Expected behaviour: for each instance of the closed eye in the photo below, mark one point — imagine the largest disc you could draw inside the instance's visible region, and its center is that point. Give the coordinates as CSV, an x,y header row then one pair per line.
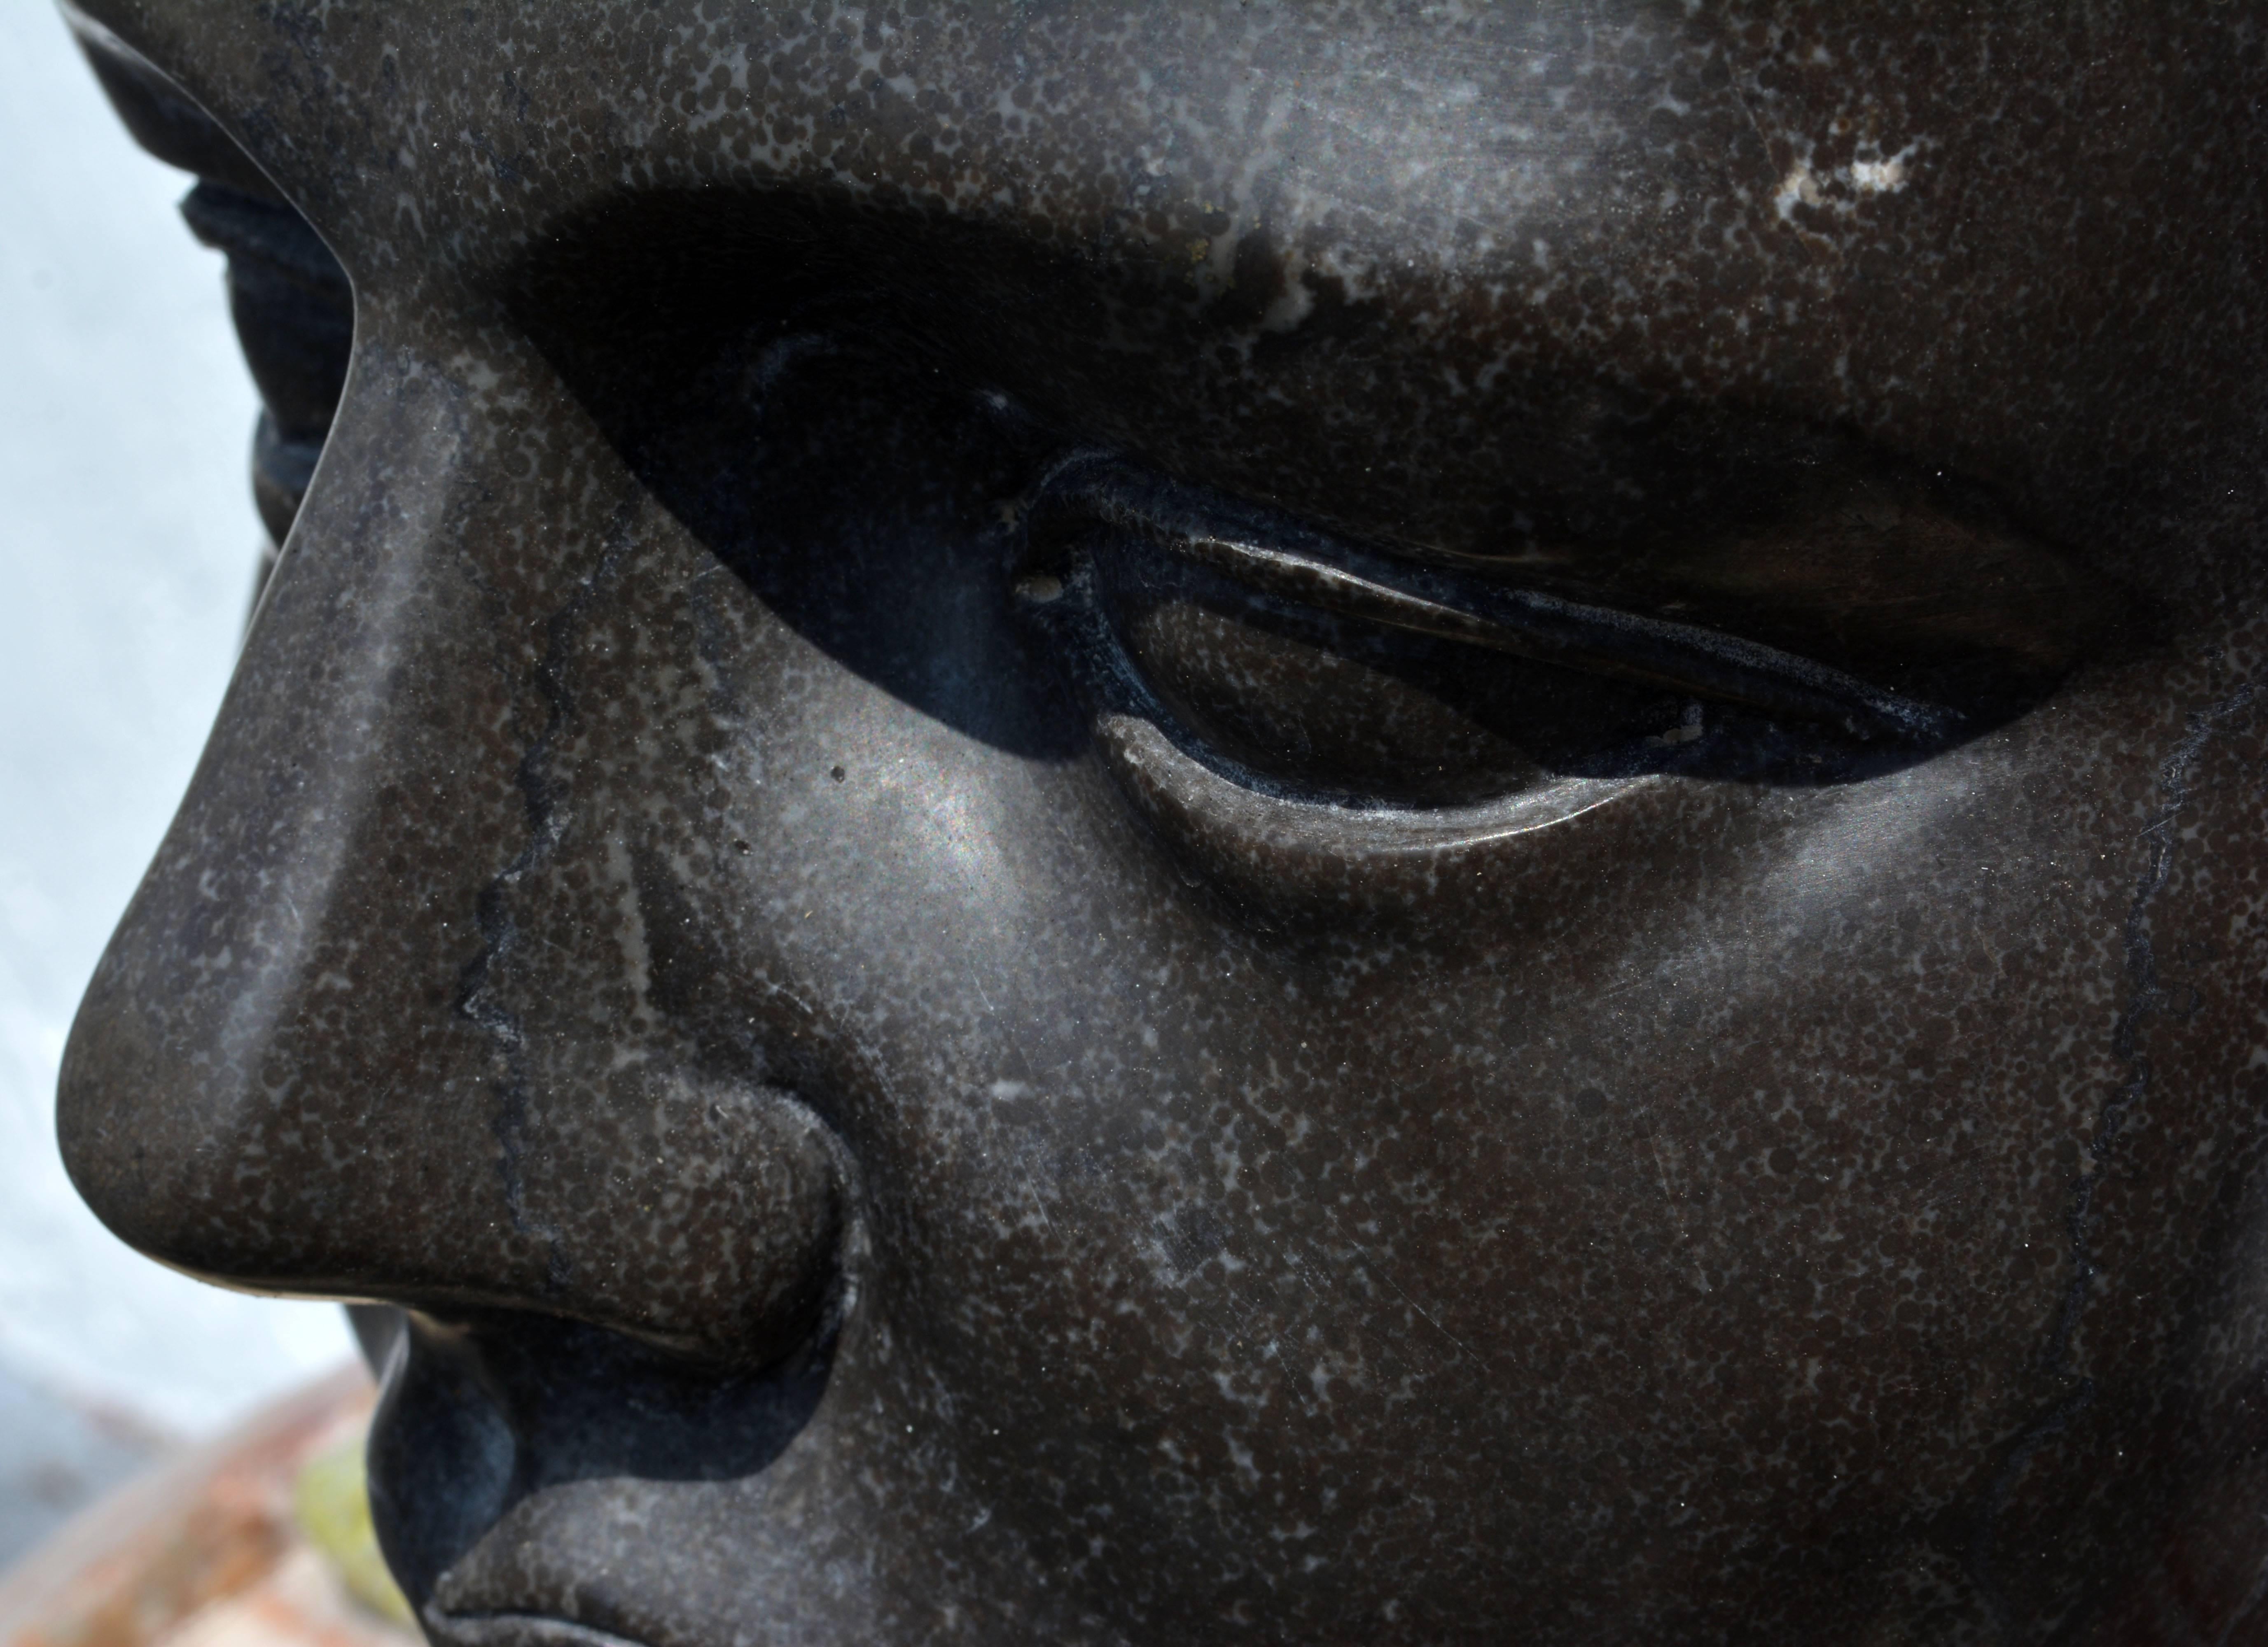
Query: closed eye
x,y
1304,667
1308,570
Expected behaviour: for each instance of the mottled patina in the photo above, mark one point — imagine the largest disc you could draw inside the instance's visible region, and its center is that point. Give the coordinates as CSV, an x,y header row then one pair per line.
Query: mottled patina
x,y
1240,822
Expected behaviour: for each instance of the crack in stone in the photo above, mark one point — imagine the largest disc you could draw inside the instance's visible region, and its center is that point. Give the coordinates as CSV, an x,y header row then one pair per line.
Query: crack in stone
x,y
500,932
2143,1000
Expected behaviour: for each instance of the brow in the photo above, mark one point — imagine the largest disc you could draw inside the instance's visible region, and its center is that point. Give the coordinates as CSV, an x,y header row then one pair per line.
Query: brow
x,y
1294,563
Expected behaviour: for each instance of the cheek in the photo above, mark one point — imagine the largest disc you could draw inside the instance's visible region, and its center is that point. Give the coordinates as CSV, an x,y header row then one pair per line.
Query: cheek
x,y
1742,1162
1731,1157
1714,1149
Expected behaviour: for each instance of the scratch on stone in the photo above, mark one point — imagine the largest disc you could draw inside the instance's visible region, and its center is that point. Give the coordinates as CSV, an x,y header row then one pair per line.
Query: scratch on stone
x,y
1676,1209
2245,1610
500,932
2143,999
1371,1266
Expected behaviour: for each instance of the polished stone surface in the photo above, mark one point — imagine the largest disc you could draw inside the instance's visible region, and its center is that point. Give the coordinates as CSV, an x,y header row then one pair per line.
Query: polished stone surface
x,y
1228,822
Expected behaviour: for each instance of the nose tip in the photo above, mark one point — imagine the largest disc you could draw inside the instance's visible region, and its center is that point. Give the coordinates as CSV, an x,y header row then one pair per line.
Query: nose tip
x,y
279,1077
702,1214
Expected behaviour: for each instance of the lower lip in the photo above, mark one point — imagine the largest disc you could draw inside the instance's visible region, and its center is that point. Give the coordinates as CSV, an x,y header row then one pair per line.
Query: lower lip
x,y
516,1629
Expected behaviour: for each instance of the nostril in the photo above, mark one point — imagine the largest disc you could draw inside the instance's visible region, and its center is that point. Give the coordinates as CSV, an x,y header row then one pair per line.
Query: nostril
x,y
705,1218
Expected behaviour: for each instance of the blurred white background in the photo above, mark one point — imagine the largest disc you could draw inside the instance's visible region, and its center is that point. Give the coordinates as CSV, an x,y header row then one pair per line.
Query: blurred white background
x,y
127,546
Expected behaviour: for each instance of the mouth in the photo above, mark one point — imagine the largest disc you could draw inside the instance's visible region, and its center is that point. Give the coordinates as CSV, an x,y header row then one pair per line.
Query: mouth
x,y
516,1630
512,1452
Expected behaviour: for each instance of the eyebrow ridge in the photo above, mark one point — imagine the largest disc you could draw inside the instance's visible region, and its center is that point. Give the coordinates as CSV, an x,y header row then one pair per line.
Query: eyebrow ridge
x,y
1298,565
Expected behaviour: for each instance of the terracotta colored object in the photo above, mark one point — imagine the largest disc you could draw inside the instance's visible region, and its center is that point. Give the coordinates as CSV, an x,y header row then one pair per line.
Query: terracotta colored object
x,y
203,1550
1129,823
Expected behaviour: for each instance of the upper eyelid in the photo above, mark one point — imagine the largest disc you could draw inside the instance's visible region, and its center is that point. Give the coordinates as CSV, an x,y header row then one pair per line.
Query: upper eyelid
x,y
1304,567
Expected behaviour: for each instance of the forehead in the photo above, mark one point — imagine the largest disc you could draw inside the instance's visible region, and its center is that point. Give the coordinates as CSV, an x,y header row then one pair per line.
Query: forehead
x,y
1391,251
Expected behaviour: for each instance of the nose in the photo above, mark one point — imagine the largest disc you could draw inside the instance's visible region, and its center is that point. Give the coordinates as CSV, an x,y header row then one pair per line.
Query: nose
x,y
400,1012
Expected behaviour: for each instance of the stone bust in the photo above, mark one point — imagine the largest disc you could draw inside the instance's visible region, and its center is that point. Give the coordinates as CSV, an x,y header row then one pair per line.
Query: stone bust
x,y
1234,822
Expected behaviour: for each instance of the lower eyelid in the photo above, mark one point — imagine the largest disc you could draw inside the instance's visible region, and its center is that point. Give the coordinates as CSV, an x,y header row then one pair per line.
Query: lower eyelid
x,y
1318,711
1280,851
1276,849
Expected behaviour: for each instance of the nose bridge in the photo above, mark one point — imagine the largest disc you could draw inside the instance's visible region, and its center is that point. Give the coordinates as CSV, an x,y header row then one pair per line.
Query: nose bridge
x,y
291,941
290,1070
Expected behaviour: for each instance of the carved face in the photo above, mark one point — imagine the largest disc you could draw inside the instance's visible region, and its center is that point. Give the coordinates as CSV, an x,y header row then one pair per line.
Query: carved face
x,y
1219,822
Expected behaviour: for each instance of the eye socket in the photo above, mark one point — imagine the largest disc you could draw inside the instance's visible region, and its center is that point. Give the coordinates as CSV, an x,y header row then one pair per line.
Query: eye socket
x,y
1309,671
294,312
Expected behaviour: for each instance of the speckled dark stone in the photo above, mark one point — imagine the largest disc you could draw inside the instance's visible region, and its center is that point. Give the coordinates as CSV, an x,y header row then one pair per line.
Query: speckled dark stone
x,y
1226,822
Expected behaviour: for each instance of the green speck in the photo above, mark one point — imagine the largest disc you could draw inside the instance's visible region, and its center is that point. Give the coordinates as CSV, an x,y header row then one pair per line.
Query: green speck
x,y
331,1501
